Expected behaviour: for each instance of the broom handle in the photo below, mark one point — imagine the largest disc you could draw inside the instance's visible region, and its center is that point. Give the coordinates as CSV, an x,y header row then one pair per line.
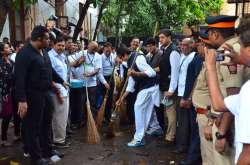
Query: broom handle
x,y
126,81
86,85
109,82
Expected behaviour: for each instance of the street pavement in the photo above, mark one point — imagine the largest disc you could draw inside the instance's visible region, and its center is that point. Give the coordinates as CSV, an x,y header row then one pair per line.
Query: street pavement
x,y
111,151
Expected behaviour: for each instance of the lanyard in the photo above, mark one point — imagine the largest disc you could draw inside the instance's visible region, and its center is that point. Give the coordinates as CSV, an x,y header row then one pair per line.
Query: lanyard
x,y
91,60
109,60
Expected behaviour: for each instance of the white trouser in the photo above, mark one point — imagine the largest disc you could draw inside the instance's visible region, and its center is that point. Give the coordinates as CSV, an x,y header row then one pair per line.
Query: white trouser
x,y
144,105
59,119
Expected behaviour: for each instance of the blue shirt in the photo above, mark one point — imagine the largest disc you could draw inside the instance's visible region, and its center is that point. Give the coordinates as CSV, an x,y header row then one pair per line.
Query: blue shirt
x,y
108,63
58,62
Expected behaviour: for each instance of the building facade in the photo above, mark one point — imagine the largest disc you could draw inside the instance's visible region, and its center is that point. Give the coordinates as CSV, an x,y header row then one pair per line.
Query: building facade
x,y
18,24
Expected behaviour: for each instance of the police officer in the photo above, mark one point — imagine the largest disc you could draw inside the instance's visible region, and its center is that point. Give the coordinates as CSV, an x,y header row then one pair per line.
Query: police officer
x,y
200,100
220,31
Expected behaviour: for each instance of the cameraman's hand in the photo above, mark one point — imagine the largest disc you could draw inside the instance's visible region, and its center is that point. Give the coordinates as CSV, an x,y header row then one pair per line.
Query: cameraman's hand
x,y
232,54
210,58
22,109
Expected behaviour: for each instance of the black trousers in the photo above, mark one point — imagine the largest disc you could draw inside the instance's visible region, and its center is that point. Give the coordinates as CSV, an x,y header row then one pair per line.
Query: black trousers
x,y
182,127
130,107
76,105
102,91
5,126
92,99
37,125
16,117
160,113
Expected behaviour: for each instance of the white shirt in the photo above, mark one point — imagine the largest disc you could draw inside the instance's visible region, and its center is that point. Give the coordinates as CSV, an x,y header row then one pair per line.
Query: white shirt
x,y
13,57
75,56
122,69
175,67
59,65
92,63
239,105
185,61
143,66
108,63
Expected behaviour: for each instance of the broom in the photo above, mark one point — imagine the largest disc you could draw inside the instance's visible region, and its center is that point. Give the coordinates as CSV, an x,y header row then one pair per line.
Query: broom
x,y
93,136
101,111
114,116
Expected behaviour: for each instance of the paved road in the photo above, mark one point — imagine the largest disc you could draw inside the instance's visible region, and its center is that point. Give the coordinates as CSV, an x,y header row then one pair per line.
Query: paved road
x,y
109,152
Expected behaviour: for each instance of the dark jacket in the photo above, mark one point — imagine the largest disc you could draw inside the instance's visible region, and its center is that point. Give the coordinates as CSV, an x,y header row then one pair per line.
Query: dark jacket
x,y
165,67
33,72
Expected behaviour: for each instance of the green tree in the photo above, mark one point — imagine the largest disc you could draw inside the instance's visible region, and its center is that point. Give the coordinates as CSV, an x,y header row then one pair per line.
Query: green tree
x,y
145,17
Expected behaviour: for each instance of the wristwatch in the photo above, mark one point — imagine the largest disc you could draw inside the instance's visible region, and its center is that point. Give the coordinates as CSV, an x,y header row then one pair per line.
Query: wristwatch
x,y
219,136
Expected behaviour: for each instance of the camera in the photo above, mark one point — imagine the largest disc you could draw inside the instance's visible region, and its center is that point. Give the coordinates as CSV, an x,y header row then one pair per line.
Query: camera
x,y
220,55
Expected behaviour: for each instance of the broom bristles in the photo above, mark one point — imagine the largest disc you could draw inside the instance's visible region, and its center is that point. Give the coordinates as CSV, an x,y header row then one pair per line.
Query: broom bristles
x,y
93,136
111,129
100,114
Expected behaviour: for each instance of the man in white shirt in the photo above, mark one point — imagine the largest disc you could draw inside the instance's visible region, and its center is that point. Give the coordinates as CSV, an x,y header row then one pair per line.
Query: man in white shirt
x,y
76,91
17,46
237,104
61,99
169,73
87,70
183,120
106,78
142,79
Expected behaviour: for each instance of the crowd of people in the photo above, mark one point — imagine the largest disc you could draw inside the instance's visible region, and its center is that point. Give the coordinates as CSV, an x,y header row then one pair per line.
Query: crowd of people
x,y
43,84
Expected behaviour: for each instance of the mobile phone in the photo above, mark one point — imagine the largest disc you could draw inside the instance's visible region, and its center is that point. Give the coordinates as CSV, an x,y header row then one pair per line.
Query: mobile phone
x,y
220,55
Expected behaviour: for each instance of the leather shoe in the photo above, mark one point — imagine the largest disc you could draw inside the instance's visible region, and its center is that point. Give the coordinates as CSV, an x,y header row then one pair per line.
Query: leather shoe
x,y
190,162
70,132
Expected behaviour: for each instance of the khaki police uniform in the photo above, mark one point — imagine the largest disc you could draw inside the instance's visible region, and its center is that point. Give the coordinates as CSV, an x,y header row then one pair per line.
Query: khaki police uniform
x,y
201,101
228,84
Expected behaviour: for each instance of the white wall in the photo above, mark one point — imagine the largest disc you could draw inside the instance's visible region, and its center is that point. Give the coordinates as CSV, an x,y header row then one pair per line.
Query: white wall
x,y
72,10
228,9
6,30
43,12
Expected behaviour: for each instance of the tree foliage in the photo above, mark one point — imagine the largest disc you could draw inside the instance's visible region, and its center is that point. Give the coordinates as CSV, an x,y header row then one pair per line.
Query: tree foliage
x,y
144,17
17,3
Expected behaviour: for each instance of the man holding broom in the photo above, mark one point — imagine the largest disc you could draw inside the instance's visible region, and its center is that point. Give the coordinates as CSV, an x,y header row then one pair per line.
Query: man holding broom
x,y
87,70
142,79
106,78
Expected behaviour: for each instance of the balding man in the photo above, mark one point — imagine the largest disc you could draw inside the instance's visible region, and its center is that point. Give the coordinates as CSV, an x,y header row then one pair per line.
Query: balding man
x,y
87,69
182,129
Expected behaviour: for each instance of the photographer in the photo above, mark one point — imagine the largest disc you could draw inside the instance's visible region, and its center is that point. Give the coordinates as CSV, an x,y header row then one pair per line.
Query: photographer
x,y
237,104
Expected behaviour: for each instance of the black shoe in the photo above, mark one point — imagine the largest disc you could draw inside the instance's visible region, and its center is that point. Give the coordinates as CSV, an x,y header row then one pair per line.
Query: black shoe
x,y
168,142
180,151
61,145
70,132
73,127
190,162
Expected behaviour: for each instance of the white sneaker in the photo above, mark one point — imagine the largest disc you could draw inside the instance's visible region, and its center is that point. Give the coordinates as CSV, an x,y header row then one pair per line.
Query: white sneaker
x,y
26,155
135,143
55,158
